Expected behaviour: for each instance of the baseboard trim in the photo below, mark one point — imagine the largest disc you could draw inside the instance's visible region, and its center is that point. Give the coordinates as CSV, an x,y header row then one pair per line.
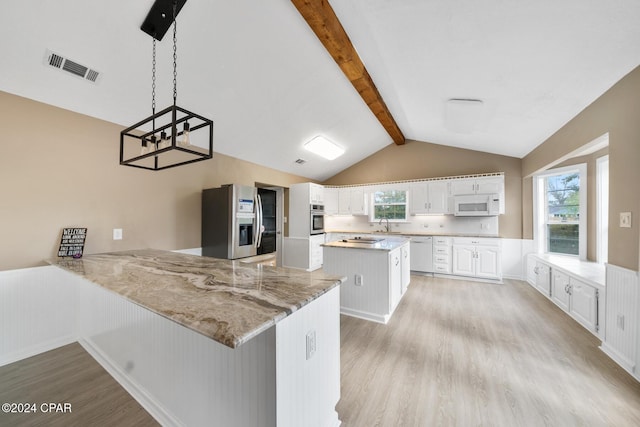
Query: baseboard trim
x,y
625,363
365,315
152,406
37,349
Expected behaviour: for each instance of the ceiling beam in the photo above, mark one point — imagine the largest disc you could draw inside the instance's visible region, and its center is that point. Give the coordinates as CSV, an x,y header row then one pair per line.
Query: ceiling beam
x,y
323,21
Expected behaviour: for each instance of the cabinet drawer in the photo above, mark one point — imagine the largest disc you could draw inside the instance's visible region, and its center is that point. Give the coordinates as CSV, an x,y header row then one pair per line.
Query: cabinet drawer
x,y
442,241
442,268
476,241
442,250
441,259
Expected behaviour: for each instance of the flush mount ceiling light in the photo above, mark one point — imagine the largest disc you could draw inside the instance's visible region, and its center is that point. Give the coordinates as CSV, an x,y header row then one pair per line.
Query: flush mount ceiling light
x,y
325,148
173,136
464,115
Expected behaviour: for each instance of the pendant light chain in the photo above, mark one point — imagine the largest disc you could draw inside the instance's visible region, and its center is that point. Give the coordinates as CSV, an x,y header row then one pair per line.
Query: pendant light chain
x,y
153,78
175,55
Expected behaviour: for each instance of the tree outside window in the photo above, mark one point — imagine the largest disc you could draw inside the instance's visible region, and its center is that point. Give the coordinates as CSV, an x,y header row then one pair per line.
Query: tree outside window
x,y
390,204
563,213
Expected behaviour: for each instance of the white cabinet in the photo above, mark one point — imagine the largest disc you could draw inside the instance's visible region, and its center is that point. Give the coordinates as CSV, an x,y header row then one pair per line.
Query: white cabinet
x,y
482,185
442,254
560,289
395,278
358,202
330,201
479,258
301,196
543,278
352,201
429,198
316,194
406,266
303,252
583,304
559,280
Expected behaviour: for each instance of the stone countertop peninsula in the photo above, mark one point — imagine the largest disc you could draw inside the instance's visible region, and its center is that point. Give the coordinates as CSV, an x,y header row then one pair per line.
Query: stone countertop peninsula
x,y
385,243
227,301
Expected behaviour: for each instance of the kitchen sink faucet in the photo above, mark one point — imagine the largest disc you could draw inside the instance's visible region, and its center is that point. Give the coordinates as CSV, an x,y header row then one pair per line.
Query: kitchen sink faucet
x,y
386,227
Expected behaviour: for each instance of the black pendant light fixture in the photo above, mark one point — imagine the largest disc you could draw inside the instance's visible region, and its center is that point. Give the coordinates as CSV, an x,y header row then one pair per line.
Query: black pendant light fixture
x,y
173,136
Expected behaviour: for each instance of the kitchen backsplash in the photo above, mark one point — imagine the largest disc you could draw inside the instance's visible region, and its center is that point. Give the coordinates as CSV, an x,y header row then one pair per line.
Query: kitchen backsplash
x,y
436,224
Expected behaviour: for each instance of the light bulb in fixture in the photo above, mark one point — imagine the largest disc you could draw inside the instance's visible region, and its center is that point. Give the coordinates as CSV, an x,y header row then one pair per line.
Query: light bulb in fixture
x,y
164,141
185,140
145,148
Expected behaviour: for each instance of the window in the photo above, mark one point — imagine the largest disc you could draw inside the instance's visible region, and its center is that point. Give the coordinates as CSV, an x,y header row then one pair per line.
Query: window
x,y
390,204
561,208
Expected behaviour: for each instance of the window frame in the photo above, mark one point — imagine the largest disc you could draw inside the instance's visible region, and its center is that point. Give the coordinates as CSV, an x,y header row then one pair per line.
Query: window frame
x,y
540,216
373,204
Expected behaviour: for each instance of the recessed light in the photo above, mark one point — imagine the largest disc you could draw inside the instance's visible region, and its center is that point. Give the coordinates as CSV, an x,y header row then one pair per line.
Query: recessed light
x,y
323,147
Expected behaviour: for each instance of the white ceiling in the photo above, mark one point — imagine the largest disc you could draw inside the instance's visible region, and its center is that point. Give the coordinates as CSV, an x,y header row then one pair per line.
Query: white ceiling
x,y
259,72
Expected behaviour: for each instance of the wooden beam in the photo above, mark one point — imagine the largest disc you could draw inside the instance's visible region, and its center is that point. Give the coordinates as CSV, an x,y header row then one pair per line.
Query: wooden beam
x,y
325,24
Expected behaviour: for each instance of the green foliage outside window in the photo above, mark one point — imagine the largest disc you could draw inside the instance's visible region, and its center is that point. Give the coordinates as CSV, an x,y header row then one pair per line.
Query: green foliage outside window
x,y
390,204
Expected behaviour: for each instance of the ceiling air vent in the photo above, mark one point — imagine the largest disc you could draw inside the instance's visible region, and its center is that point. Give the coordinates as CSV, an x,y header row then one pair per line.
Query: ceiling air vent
x,y
60,62
301,161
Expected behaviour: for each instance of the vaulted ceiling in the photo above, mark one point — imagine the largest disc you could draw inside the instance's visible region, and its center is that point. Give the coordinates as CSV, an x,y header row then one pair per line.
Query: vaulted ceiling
x,y
258,70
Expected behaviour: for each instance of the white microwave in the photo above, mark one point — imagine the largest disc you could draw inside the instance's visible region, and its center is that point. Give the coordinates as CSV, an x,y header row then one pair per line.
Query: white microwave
x,y
477,205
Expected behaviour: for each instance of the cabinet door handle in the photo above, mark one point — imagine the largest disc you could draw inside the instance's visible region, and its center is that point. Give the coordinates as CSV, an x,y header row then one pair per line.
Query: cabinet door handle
x,y
397,260
569,289
535,270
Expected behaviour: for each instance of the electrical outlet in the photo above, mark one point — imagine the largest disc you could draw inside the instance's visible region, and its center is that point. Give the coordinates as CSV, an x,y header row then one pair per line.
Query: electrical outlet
x,y
358,280
425,225
625,219
311,344
117,234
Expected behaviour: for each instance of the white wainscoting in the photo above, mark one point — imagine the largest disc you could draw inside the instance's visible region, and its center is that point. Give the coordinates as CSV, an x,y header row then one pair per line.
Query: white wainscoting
x,y
622,334
514,253
37,312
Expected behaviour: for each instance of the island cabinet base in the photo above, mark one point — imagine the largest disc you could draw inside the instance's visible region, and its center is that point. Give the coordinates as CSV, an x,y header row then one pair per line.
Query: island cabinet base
x,y
184,378
375,280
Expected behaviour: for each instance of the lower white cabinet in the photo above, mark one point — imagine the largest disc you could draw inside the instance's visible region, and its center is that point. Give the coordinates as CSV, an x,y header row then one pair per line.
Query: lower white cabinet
x,y
581,300
560,289
302,252
442,254
479,258
543,278
583,304
406,267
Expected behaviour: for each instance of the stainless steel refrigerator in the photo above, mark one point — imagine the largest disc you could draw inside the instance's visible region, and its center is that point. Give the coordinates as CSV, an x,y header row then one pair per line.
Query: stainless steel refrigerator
x,y
231,221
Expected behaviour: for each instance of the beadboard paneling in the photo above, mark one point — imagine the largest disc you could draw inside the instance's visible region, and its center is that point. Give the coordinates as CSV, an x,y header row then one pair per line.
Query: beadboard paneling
x,y
178,375
309,389
621,317
37,312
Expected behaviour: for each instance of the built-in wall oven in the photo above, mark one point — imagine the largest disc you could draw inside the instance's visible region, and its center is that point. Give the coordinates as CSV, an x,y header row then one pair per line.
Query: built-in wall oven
x,y
317,219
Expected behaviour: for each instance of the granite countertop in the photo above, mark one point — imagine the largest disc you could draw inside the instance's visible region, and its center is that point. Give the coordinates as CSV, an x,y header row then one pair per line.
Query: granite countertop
x,y
228,301
414,233
384,244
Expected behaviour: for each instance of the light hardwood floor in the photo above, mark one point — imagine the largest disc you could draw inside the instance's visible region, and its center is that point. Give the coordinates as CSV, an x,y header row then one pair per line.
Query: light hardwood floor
x,y
459,353
455,353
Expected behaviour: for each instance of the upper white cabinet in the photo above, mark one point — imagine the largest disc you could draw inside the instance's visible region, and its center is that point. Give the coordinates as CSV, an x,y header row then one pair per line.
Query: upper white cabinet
x,y
351,201
316,194
481,185
429,198
330,201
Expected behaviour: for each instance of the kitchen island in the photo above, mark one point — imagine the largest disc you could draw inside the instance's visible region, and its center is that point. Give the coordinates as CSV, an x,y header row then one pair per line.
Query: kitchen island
x,y
377,271
204,341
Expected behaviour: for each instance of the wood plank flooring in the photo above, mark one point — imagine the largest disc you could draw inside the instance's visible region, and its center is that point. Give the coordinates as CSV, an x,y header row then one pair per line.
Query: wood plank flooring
x,y
455,353
458,353
68,375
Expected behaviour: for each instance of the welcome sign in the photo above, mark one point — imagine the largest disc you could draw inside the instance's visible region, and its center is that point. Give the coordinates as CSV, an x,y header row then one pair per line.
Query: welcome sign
x,y
72,242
